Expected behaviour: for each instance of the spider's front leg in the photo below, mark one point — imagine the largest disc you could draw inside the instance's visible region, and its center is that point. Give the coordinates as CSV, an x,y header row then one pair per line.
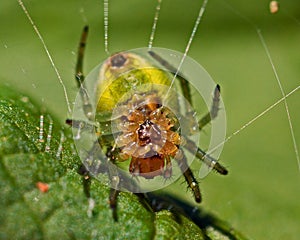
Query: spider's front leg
x,y
87,106
205,158
213,110
114,192
191,146
80,125
99,164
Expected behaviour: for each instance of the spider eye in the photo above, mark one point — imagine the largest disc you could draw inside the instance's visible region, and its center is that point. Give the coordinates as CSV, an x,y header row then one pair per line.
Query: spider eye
x,y
118,60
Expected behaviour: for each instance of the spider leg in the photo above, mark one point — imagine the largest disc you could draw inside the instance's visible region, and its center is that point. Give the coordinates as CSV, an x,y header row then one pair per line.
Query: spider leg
x,y
87,106
86,180
96,165
188,175
213,110
113,198
99,164
185,86
205,158
118,181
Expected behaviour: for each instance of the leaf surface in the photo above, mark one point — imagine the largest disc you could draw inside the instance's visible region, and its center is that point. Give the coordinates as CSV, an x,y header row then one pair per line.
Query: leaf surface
x,y
29,156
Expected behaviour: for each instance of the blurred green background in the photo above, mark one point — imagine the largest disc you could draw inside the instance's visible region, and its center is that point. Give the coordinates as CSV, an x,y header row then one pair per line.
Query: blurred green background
x,y
260,197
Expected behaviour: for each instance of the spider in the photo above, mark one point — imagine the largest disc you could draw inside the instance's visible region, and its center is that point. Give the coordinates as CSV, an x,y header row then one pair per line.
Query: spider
x,y
135,124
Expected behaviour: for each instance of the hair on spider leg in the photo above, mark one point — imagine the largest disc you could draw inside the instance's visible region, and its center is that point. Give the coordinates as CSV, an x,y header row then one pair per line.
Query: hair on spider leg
x,y
187,187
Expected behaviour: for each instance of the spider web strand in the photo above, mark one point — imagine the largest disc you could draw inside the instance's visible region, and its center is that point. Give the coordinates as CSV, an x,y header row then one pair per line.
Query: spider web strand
x,y
282,93
258,31
156,16
254,119
47,52
198,20
106,26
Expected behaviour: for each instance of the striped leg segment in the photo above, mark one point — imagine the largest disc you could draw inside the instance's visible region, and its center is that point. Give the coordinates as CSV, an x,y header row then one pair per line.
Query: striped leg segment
x,y
87,106
188,175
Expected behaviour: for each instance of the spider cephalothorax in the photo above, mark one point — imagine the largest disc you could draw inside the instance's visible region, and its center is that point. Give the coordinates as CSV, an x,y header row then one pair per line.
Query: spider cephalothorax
x,y
148,137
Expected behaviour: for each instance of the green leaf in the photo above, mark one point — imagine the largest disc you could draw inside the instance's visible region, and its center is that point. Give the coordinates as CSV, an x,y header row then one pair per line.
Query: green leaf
x,y
29,156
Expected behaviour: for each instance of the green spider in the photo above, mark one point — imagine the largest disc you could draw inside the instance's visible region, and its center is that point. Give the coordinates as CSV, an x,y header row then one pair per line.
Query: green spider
x,y
139,119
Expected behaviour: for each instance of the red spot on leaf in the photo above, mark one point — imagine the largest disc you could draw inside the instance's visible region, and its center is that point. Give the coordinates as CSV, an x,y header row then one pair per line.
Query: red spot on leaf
x,y
43,187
